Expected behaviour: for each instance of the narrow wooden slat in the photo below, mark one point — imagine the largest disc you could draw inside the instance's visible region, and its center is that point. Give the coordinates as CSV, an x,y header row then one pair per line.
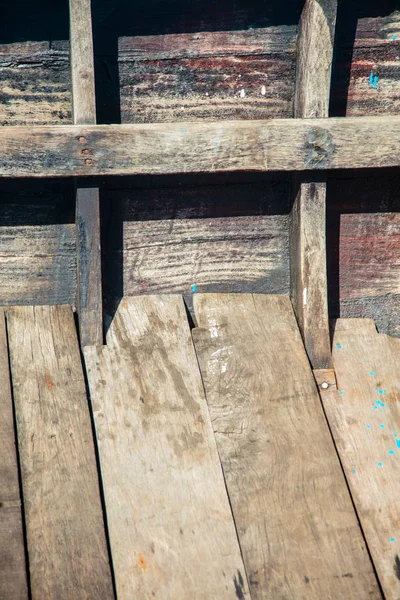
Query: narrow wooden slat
x,y
65,532
299,535
90,306
274,145
309,290
364,415
13,580
171,529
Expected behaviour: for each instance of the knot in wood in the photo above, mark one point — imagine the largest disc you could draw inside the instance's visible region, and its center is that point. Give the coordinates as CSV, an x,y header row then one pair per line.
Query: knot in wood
x,y
319,148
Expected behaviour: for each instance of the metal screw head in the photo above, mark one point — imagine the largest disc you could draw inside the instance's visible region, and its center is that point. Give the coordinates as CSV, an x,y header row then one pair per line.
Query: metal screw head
x,y
324,385
88,161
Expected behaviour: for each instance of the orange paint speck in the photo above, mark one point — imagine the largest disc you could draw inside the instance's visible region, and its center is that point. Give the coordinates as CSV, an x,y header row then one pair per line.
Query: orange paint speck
x,y
142,562
48,381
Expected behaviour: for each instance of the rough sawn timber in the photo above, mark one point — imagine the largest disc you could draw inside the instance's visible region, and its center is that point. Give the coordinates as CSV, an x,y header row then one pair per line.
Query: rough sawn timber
x,y
90,306
309,290
364,416
271,145
13,580
171,529
299,535
66,541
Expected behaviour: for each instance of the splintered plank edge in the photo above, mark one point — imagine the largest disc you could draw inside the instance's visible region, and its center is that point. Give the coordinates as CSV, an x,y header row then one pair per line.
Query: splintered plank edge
x,y
299,534
67,549
171,529
364,415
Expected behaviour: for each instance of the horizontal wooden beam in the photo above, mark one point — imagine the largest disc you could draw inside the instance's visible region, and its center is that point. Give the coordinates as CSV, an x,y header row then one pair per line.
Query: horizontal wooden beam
x,y
274,145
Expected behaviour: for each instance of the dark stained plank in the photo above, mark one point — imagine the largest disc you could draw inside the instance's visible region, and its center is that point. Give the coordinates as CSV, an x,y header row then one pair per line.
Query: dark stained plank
x,y
90,307
65,532
364,417
308,225
208,75
38,264
271,145
171,529
13,580
35,83
279,461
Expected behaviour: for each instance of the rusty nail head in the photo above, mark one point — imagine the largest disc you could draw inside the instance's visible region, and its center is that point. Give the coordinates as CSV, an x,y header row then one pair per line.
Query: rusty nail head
x,y
86,151
88,161
82,139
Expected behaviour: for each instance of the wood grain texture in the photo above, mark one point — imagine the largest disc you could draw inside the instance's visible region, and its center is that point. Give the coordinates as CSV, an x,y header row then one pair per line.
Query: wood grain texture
x,y
364,417
35,83
82,63
171,529
65,531
309,289
88,245
13,580
270,145
38,264
90,301
369,41
278,458
208,75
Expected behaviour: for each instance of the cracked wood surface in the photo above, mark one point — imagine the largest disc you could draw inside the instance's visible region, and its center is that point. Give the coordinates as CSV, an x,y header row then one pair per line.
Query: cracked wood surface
x,y
299,535
171,529
66,542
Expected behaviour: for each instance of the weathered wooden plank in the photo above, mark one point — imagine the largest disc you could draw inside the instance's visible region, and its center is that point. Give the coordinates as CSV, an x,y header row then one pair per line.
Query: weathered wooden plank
x,y
278,458
171,529
13,580
271,145
65,533
364,417
208,75
35,83
308,244
90,306
38,264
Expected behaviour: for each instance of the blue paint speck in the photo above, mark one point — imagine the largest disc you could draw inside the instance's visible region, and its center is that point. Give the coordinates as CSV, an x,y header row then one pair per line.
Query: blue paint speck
x,y
382,426
392,540
395,435
368,426
183,130
372,373
353,470
380,464
394,36
375,408
194,288
380,391
371,78
338,346
341,392
391,452
376,79
398,443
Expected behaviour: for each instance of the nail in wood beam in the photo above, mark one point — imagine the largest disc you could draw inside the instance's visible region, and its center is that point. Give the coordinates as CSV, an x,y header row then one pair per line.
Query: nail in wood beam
x,y
308,219
90,308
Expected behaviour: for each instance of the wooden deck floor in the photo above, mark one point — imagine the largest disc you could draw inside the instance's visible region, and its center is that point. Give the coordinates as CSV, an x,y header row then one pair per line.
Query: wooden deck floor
x,y
204,465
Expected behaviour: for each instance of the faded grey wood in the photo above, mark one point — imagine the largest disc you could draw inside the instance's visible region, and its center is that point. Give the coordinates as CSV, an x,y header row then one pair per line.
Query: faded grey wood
x,y
66,541
270,145
299,534
309,289
90,308
171,529
364,416
13,580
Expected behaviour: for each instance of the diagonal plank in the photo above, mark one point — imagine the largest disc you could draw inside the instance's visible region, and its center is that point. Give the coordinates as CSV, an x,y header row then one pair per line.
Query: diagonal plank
x,y
171,529
299,535
65,530
364,415
13,584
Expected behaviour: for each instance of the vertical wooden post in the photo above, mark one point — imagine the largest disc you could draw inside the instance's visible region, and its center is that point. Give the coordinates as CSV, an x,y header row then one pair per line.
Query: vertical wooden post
x,y
308,237
90,308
